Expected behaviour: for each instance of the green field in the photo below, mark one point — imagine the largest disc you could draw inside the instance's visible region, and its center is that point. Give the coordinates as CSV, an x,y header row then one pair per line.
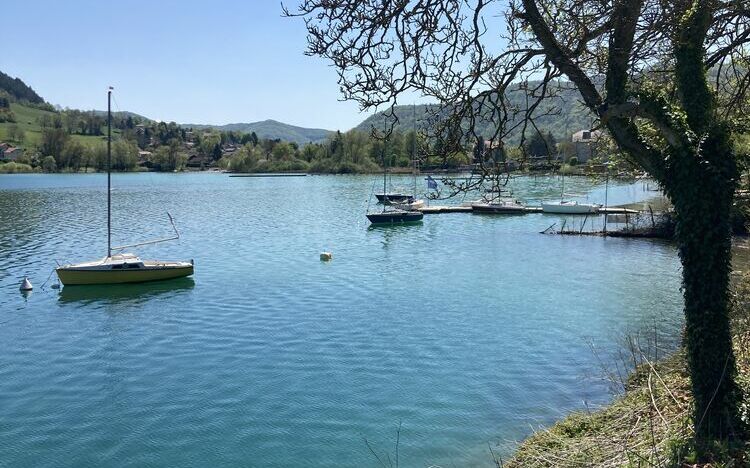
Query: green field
x,y
27,118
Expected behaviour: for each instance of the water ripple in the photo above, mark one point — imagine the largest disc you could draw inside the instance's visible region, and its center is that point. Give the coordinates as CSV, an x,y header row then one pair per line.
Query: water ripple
x,y
467,329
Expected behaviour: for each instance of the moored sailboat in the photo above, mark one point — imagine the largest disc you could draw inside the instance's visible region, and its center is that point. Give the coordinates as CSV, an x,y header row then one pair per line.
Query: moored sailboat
x,y
122,267
569,207
393,214
499,206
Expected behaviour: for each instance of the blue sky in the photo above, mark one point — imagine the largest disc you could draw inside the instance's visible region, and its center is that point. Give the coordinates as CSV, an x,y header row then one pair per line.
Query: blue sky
x,y
188,61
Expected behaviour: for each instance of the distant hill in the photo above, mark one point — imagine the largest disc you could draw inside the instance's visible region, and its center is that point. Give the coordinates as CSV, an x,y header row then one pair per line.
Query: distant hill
x,y
19,90
272,129
124,114
573,116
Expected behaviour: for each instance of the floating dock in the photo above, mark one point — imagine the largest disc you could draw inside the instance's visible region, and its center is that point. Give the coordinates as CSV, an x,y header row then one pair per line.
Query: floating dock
x,y
434,209
294,174
437,209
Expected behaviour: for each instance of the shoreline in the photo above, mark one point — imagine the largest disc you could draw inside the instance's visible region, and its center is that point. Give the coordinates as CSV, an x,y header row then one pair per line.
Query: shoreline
x,y
649,420
406,171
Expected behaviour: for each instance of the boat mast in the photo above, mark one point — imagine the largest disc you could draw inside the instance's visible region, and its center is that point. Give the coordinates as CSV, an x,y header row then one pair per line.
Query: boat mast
x,y
385,171
414,149
109,172
562,192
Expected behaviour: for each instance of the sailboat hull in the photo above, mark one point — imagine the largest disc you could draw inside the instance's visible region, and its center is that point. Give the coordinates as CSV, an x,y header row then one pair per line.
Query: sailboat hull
x,y
498,208
69,277
566,207
122,268
397,217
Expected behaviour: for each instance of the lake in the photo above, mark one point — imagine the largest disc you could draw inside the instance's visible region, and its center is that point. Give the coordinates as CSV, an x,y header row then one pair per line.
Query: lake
x,y
467,330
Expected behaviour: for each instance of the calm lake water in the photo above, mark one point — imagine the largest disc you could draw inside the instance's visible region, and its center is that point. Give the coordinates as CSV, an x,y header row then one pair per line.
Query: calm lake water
x,y
468,330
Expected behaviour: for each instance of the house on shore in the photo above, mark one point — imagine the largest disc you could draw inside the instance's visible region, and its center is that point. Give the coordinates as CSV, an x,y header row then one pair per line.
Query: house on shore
x,y
198,162
585,144
9,153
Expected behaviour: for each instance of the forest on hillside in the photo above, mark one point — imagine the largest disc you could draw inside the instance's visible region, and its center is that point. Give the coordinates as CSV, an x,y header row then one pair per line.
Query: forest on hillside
x,y
561,115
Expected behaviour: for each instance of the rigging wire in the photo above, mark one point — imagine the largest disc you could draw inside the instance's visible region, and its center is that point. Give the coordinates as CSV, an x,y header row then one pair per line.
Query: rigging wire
x,y
152,183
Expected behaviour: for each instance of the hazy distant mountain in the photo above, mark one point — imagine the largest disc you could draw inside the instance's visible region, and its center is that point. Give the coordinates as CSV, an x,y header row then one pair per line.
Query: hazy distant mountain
x,y
572,116
272,129
125,114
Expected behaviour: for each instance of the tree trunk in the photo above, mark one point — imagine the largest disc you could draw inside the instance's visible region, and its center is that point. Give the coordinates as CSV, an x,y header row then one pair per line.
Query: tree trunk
x,y
702,204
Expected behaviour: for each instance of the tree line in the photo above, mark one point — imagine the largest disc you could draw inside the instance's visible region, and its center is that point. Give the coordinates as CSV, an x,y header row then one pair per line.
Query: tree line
x,y
349,152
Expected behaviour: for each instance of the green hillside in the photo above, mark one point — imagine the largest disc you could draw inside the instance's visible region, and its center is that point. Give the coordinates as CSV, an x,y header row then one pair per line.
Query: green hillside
x,y
28,119
571,117
272,130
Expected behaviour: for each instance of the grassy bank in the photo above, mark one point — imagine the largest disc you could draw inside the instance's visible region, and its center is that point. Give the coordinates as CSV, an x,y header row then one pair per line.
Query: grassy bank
x,y
649,424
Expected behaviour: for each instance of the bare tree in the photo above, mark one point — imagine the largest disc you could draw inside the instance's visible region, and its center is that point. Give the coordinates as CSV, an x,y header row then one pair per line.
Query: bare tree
x,y
668,79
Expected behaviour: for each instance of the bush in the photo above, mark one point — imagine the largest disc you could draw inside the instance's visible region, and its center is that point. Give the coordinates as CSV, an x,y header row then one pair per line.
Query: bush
x,y
294,165
573,161
321,166
347,167
15,168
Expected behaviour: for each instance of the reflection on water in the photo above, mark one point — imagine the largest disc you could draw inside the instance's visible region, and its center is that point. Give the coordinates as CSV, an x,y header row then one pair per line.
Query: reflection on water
x,y
126,294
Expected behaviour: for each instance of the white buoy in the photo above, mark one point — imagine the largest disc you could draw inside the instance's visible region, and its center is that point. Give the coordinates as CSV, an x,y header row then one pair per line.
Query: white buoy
x,y
26,285
326,256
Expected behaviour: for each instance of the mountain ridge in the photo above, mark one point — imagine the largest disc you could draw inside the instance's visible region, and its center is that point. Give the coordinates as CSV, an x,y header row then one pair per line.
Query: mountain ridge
x,y
271,129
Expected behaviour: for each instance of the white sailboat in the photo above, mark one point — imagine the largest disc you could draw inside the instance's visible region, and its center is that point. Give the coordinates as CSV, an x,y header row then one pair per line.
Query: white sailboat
x,y
569,207
121,267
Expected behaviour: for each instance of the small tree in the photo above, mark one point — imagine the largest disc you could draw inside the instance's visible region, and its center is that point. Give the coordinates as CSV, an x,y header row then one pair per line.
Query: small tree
x,y
54,140
16,134
169,157
49,164
71,155
541,145
124,155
